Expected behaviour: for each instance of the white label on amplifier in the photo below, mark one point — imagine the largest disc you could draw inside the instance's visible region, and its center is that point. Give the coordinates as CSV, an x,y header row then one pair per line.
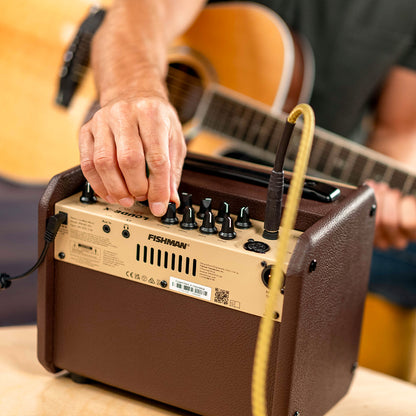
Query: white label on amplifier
x,y
190,288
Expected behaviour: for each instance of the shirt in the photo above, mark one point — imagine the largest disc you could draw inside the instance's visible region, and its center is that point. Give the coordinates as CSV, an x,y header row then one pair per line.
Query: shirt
x,y
355,43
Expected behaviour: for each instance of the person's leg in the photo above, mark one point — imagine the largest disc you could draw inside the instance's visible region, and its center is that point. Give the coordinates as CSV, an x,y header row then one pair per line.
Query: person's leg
x,y
18,251
393,275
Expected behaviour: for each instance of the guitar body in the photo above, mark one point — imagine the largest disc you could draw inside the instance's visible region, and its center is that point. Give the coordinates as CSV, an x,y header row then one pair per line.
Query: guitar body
x,y
244,47
248,49
37,137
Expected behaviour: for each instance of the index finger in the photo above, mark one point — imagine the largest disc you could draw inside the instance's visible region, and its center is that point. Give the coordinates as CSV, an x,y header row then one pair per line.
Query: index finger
x,y
154,132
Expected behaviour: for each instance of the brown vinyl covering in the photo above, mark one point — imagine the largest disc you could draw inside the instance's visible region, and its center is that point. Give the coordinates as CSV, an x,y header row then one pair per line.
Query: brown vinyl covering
x,y
196,355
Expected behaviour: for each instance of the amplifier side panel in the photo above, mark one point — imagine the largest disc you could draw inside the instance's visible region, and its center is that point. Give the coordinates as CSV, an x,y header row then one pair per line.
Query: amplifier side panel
x,y
325,305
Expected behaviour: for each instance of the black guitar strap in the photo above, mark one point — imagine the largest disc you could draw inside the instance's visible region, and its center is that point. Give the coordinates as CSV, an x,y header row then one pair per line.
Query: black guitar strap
x,y
76,57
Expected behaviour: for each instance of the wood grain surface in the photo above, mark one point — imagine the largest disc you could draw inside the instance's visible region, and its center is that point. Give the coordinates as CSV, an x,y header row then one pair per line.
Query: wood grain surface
x,y
29,390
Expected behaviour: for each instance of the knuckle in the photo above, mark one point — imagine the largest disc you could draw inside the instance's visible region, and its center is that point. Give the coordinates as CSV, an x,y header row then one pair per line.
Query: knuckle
x,y
103,161
87,165
149,105
158,160
98,117
154,109
120,110
129,159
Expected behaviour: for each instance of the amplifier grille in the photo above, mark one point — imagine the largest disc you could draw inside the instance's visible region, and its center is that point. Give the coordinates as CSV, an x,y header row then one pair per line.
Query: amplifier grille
x,y
165,259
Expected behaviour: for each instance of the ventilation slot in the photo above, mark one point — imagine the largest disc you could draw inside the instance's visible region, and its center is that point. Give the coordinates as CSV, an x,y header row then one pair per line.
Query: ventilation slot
x,y
165,259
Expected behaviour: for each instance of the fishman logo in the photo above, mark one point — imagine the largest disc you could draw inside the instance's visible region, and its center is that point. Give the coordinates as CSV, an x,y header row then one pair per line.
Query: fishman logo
x,y
168,241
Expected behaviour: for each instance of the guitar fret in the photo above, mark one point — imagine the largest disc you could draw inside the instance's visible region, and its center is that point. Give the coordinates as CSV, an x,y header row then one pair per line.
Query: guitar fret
x,y
210,118
412,190
331,159
316,152
398,179
408,185
323,159
234,121
339,162
378,172
233,118
274,137
388,174
349,163
246,118
265,133
356,171
225,114
365,173
254,128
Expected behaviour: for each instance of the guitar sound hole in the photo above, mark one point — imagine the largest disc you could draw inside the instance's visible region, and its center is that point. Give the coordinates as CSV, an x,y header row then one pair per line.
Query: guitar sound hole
x,y
185,89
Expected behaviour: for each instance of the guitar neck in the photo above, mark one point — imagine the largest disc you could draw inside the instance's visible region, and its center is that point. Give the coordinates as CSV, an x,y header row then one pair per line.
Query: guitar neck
x,y
334,157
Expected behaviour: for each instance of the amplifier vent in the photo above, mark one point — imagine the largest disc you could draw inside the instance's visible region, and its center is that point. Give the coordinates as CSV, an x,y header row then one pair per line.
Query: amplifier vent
x,y
162,258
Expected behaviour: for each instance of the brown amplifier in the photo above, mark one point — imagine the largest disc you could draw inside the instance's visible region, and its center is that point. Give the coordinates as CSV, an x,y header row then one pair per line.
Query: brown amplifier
x,y
172,312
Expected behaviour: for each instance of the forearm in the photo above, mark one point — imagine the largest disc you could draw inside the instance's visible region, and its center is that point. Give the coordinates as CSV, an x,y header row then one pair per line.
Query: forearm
x,y
397,143
129,52
394,132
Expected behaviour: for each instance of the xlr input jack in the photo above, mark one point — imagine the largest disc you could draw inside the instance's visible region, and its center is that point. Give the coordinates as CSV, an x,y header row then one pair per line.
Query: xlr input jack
x,y
266,274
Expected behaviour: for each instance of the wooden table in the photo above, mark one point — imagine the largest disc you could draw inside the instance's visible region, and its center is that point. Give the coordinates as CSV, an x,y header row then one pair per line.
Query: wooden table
x,y
29,390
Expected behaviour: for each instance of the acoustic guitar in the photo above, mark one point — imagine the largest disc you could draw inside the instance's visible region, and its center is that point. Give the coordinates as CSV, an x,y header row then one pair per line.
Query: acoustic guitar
x,y
231,76
238,117
225,45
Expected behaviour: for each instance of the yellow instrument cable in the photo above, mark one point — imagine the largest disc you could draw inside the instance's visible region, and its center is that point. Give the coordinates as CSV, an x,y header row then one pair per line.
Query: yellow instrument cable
x,y
264,338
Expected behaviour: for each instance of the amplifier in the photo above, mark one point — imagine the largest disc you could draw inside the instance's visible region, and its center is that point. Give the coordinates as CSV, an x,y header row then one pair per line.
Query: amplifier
x,y
169,308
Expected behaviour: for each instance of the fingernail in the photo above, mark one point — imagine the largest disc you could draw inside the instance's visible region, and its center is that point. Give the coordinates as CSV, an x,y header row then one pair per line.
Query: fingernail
x,y
158,208
127,202
110,199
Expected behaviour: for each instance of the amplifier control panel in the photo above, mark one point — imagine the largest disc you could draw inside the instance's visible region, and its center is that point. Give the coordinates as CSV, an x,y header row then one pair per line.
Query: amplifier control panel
x,y
209,255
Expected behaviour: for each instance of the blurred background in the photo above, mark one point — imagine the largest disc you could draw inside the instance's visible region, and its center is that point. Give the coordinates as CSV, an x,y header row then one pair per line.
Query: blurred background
x,y
38,139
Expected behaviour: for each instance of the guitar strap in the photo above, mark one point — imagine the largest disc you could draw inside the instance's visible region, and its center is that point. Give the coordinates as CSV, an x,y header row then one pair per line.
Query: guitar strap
x,y
76,57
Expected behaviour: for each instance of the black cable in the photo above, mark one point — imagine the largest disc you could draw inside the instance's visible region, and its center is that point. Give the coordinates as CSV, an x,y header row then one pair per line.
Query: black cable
x,y
52,226
273,213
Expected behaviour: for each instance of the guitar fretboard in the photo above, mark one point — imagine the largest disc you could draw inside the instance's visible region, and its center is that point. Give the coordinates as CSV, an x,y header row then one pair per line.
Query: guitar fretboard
x,y
332,156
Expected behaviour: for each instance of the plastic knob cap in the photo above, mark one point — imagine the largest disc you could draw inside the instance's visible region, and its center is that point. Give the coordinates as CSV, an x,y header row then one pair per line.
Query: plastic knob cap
x,y
227,230
208,224
170,215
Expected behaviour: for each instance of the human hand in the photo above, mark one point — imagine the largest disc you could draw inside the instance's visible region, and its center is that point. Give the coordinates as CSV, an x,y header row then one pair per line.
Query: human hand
x,y
121,138
395,217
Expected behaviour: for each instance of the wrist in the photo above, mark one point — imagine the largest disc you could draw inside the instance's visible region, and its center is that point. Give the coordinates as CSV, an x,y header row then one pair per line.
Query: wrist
x,y
143,81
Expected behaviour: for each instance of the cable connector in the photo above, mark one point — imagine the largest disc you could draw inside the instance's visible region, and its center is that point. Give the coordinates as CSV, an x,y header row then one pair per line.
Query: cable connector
x,y
52,227
53,224
5,283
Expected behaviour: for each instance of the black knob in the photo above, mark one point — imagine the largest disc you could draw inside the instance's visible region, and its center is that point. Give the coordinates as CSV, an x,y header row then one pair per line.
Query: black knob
x,y
188,219
208,224
88,195
170,215
224,210
227,230
204,206
186,201
243,219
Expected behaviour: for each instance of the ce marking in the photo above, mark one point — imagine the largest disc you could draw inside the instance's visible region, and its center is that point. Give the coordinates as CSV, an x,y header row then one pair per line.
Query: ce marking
x,y
133,275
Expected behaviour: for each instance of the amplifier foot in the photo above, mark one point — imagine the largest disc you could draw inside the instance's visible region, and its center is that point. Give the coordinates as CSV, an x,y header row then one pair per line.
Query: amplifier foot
x,y
79,379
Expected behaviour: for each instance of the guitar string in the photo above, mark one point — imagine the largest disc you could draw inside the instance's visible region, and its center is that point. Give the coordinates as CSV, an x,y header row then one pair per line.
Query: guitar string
x,y
193,99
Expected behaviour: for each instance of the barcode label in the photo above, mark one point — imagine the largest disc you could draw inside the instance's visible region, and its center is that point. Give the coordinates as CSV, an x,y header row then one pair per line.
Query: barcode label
x,y
190,288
